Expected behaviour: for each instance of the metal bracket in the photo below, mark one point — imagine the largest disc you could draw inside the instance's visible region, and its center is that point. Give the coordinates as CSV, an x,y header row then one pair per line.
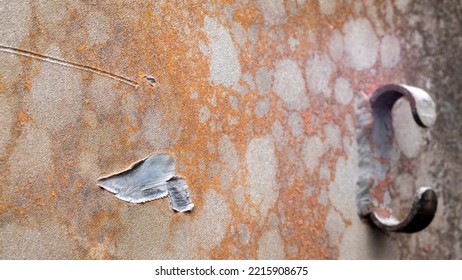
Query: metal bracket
x,y
375,139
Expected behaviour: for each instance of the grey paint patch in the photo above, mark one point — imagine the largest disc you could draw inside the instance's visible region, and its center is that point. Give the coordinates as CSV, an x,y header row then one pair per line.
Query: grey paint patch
x,y
262,167
319,70
56,96
264,79
336,45
204,114
31,156
293,43
271,246
295,121
6,122
289,85
99,27
16,21
244,233
390,51
402,5
262,107
327,6
149,179
279,135
343,91
248,78
361,44
102,95
312,150
334,226
230,158
11,68
239,34
224,66
333,135
273,11
194,237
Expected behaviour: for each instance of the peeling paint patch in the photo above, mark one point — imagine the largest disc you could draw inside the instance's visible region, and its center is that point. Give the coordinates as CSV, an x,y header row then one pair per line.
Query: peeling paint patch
x,y
149,179
33,149
390,51
11,69
206,230
56,96
102,95
244,233
262,107
333,135
312,150
98,26
18,15
264,78
289,84
204,114
279,135
343,91
327,6
402,5
274,11
295,121
224,66
336,45
262,167
229,157
157,134
319,70
6,121
361,44
271,246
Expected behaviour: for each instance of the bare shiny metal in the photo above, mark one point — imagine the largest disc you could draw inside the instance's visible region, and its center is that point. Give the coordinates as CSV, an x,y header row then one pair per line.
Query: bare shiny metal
x,y
375,139
149,179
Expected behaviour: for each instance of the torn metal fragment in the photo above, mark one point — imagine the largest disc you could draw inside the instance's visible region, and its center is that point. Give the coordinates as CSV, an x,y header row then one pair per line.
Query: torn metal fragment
x,y
179,196
149,179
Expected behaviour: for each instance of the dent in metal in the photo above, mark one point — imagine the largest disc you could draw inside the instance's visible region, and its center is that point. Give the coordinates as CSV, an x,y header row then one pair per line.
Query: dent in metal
x,y
375,139
149,179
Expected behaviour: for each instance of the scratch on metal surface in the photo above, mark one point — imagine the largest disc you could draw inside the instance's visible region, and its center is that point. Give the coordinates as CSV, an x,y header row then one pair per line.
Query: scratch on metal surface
x,y
150,179
66,63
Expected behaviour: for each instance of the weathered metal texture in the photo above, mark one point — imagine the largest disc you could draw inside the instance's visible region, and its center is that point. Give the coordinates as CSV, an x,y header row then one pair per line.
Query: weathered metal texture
x,y
255,100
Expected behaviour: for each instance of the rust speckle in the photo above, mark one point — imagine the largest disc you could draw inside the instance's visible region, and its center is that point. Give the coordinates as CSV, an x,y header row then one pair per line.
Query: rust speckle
x,y
23,117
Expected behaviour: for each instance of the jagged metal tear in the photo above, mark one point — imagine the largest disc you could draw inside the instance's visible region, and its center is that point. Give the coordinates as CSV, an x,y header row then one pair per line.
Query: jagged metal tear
x,y
149,179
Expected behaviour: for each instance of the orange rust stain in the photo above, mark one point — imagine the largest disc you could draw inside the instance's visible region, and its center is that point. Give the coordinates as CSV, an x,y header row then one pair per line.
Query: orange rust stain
x,y
36,70
3,207
28,84
81,47
23,117
247,16
86,76
20,211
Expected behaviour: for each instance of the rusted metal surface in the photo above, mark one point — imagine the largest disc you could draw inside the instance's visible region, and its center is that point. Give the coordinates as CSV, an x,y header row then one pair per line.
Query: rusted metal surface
x,y
255,100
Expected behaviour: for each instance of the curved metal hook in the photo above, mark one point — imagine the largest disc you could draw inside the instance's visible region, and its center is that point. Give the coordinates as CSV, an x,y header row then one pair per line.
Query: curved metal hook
x,y
375,139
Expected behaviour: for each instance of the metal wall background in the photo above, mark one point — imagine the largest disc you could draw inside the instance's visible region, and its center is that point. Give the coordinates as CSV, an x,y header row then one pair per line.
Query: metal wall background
x,y
255,100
